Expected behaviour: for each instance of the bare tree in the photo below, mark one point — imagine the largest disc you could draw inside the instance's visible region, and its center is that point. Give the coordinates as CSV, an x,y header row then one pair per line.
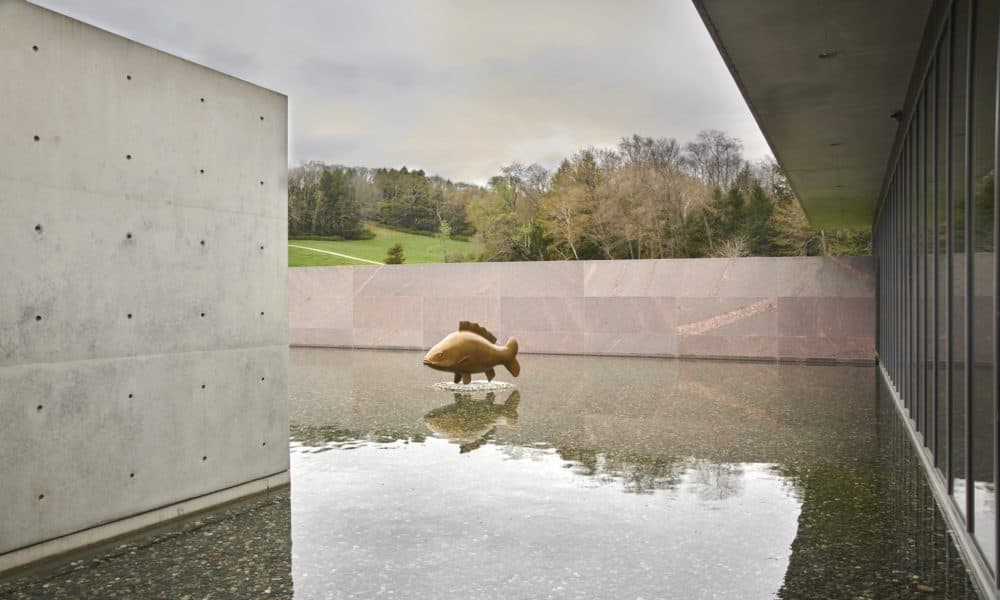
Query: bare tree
x,y
715,157
734,247
563,216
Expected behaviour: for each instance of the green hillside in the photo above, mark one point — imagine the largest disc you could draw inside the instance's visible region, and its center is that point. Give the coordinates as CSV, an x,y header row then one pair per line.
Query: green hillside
x,y
416,249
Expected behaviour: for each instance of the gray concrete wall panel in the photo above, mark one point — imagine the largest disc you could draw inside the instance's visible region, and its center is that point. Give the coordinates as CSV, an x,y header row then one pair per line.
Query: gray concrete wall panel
x,y
143,291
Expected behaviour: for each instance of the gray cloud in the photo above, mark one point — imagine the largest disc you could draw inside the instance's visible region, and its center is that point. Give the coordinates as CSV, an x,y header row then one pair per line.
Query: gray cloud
x,y
334,76
228,59
333,145
456,87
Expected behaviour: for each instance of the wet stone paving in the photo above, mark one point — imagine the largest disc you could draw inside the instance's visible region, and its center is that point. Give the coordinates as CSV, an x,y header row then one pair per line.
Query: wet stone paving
x,y
591,478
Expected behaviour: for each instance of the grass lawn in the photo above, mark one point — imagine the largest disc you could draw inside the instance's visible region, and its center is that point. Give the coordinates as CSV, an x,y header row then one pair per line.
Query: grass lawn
x,y
305,258
416,249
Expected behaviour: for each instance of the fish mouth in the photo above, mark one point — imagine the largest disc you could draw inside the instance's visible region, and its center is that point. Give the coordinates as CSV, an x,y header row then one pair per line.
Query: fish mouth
x,y
434,366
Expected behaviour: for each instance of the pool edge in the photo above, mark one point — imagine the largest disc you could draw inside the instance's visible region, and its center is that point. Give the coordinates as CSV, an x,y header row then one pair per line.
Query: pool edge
x,y
79,540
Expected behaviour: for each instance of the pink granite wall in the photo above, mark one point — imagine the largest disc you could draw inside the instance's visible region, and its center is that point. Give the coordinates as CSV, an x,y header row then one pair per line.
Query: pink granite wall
x,y
806,308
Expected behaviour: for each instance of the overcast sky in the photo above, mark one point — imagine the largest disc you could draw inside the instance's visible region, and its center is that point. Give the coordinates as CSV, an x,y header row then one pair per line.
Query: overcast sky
x,y
455,87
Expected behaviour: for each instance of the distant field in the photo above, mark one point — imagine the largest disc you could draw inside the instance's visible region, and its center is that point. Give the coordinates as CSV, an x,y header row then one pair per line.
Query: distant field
x,y
416,249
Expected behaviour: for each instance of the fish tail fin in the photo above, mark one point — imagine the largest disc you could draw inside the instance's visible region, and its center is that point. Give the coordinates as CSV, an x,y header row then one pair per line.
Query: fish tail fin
x,y
512,365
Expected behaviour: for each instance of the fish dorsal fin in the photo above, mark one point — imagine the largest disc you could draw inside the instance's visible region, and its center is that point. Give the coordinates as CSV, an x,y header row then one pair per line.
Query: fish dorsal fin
x,y
477,329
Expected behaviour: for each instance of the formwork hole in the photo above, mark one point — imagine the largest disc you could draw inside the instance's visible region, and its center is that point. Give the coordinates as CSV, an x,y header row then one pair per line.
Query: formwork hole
x,y
204,458
203,314
262,313
262,117
130,396
38,317
128,235
202,171
35,48
262,247
263,443
202,242
41,496
128,157
131,475
262,182
262,379
203,386
129,315
38,228
129,77
37,138
39,408
202,99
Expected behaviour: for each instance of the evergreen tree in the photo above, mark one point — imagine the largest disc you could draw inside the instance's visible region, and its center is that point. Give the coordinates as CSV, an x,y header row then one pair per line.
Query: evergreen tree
x,y
758,224
339,213
395,255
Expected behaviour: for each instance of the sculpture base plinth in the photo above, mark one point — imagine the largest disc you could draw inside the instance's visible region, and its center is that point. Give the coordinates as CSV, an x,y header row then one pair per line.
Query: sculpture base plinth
x,y
476,385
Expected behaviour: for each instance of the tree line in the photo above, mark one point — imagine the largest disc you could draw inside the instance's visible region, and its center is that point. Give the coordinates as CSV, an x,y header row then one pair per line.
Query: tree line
x,y
645,198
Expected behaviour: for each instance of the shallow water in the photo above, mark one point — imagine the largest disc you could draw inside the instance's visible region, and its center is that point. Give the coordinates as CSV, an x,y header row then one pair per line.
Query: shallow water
x,y
594,478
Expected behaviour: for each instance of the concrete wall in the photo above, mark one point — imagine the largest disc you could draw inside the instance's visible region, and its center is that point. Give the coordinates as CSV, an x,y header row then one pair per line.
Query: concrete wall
x,y
760,308
143,309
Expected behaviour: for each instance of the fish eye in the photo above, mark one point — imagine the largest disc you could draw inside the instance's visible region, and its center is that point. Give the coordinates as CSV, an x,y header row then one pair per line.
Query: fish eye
x,y
440,355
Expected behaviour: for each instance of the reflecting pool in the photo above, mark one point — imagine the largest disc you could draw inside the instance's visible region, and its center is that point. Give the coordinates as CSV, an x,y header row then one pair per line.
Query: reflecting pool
x,y
595,477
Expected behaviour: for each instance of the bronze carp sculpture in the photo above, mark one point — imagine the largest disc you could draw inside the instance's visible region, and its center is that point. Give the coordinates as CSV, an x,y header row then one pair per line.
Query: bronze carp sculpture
x,y
472,349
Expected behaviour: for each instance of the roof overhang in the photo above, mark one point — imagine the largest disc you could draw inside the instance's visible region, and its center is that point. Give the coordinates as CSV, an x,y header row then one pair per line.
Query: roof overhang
x,y
824,79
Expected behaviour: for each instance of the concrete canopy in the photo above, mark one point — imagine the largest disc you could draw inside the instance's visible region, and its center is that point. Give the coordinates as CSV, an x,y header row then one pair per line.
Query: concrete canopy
x,y
823,80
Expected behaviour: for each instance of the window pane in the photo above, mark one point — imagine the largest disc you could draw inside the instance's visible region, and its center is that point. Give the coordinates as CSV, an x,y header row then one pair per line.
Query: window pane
x,y
941,225
984,109
958,256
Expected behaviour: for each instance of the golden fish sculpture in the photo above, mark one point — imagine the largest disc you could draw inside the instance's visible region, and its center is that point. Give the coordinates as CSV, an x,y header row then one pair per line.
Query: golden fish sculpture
x,y
472,349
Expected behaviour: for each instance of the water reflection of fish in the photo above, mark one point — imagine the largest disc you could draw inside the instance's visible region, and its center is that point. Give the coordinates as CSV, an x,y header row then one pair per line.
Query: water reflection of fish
x,y
469,422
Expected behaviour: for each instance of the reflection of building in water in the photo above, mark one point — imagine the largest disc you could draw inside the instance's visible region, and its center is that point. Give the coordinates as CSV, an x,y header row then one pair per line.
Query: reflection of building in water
x,y
874,533
469,422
